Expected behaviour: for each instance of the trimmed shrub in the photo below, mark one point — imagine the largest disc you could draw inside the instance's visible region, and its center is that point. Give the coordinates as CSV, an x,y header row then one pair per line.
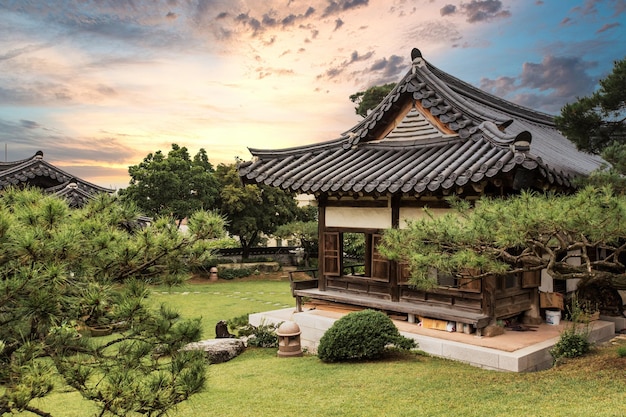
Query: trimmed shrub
x,y
621,351
361,335
232,273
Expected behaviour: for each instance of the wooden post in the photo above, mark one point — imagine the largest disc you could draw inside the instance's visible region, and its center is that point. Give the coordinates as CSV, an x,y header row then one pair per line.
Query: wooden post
x,y
321,226
489,297
394,268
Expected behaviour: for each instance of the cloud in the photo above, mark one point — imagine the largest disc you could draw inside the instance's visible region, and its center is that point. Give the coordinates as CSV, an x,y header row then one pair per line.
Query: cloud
x,y
433,32
26,137
269,18
566,75
138,23
545,86
103,176
448,9
332,73
263,72
289,20
388,69
338,24
105,90
24,50
477,10
588,8
355,57
339,6
501,86
29,124
36,94
608,26
620,7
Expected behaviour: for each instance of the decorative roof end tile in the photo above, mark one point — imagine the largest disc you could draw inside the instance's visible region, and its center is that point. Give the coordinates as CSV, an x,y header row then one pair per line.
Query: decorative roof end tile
x,y
522,142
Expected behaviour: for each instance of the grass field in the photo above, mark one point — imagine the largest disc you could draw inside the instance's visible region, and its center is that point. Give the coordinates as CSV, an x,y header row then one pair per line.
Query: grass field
x,y
225,299
258,383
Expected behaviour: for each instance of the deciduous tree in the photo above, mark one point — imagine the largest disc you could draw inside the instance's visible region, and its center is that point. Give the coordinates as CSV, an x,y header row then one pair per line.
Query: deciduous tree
x,y
252,210
174,184
305,233
370,98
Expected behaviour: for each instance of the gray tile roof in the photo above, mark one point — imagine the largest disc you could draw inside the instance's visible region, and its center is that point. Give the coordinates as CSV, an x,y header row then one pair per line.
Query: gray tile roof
x,y
431,133
35,171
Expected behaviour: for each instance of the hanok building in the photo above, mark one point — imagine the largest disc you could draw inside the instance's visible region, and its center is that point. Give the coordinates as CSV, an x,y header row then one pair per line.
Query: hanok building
x,y
36,172
433,136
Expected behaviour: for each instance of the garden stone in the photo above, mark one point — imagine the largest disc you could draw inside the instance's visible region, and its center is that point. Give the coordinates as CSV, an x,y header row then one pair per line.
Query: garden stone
x,y
218,350
221,330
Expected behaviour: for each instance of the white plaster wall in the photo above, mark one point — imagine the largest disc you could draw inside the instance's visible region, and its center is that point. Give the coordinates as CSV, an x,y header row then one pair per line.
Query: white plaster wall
x,y
572,284
361,217
547,283
415,213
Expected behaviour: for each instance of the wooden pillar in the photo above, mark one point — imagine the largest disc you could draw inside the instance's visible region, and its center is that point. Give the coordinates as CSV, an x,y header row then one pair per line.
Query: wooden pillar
x,y
321,226
394,268
489,297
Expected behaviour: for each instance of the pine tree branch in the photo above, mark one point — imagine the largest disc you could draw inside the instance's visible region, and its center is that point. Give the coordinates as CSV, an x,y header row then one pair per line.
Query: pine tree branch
x,y
37,411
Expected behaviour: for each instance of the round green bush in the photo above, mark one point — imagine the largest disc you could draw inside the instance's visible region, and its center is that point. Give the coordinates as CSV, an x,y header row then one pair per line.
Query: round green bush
x,y
361,335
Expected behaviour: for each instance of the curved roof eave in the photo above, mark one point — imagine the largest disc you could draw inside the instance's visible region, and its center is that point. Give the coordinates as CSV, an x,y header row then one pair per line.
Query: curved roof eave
x,y
362,159
17,167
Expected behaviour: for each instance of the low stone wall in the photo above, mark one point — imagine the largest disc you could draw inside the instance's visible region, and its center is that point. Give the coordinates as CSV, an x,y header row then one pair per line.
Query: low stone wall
x,y
256,266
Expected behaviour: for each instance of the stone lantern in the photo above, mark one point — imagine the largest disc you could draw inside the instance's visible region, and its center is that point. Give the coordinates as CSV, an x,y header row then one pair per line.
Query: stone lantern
x,y
213,274
289,340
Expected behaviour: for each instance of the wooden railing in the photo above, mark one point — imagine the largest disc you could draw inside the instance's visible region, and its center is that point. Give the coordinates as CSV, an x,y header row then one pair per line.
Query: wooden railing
x,y
312,282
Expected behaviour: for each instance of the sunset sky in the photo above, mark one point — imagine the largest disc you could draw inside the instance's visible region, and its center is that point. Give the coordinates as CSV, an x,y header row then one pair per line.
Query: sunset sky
x,y
97,85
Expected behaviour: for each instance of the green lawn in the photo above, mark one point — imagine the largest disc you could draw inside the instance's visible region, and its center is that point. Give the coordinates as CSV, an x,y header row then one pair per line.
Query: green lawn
x,y
258,383
224,300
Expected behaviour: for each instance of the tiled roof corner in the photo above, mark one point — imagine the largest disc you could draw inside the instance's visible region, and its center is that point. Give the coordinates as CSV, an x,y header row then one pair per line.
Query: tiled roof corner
x,y
32,169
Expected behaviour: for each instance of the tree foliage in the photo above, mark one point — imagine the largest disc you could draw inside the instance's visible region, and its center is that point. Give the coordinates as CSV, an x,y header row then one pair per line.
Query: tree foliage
x,y
174,185
252,210
61,269
370,98
599,120
304,230
529,232
597,124
306,235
